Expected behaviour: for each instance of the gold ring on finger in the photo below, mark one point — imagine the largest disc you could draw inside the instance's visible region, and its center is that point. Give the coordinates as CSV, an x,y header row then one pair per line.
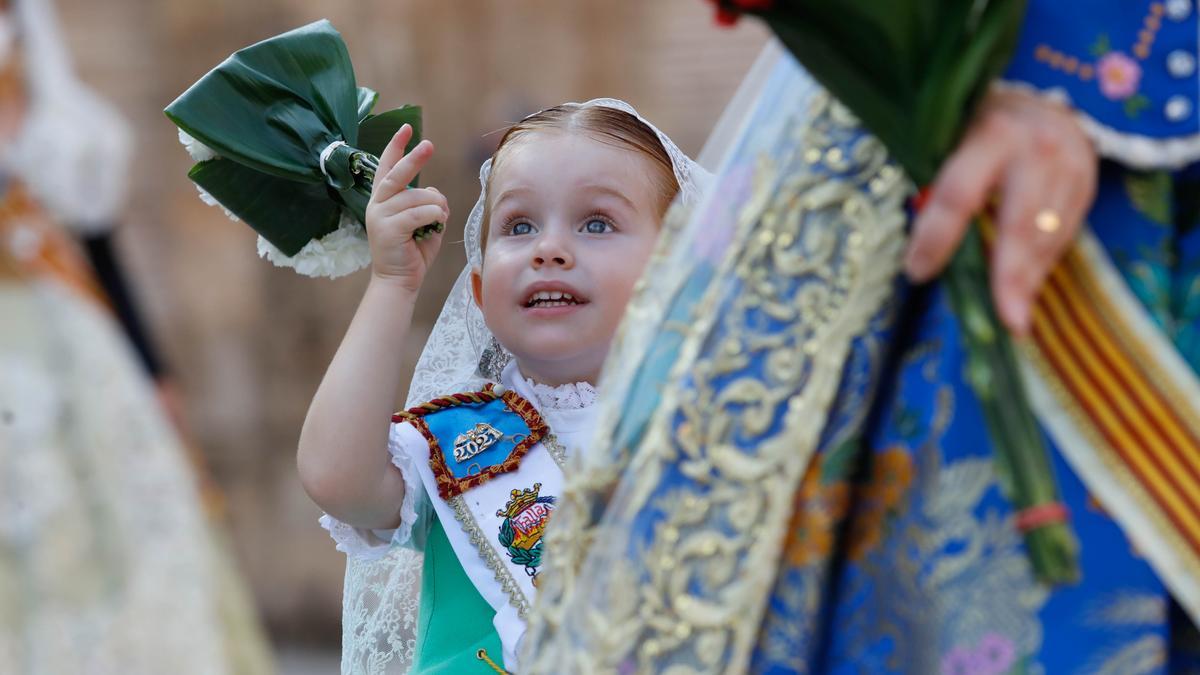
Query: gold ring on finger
x,y
1047,221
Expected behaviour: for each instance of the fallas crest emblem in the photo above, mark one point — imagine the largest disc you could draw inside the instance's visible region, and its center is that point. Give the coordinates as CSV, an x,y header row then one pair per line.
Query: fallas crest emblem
x,y
525,517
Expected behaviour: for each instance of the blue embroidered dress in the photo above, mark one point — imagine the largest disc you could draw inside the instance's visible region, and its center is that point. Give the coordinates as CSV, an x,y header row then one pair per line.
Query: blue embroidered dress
x,y
921,569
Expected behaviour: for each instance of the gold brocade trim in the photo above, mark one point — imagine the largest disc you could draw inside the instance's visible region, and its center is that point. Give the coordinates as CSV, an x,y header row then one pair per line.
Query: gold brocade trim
x,y
557,452
710,485
466,519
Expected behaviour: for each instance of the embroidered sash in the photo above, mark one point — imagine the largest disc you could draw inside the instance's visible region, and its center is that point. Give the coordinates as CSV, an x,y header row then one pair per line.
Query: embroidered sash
x,y
501,492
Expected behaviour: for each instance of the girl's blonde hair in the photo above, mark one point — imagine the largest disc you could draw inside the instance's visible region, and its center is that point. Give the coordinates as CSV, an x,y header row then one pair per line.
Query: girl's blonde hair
x,y
604,124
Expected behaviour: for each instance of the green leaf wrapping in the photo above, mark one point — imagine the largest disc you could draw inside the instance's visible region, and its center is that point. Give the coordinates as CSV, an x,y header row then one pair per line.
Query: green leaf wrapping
x,y
269,111
293,213
275,105
373,136
912,70
367,98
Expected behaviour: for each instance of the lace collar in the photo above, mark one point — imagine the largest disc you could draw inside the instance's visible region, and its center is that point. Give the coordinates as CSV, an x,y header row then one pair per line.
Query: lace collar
x,y
571,396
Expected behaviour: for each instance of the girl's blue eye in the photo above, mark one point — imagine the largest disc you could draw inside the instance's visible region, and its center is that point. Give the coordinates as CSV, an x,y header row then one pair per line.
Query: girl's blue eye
x,y
596,226
520,228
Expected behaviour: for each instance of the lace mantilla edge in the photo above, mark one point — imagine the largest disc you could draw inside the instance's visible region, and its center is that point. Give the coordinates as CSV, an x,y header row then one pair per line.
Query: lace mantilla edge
x,y
379,608
381,593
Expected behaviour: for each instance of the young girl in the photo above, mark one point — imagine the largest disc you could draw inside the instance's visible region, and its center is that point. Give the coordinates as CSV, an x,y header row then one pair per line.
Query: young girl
x,y
570,210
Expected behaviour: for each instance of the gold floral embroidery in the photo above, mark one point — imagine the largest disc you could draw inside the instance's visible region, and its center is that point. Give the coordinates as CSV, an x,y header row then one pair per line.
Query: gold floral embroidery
x,y
491,558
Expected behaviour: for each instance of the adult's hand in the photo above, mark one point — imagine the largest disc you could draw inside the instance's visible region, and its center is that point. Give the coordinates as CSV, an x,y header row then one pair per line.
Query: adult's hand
x,y
1032,155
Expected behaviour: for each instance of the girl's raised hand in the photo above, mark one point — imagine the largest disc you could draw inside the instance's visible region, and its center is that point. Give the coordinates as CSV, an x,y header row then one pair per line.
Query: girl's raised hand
x,y
396,211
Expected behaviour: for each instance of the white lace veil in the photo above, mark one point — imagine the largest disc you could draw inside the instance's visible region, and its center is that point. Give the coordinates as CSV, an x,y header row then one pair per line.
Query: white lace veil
x,y
450,363
380,599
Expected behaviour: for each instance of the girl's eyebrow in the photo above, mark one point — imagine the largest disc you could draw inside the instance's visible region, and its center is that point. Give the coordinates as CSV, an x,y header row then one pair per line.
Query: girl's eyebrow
x,y
611,192
594,188
512,193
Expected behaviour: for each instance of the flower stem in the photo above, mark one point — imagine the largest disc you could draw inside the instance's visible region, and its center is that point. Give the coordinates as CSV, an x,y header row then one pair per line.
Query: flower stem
x,y
1022,458
366,165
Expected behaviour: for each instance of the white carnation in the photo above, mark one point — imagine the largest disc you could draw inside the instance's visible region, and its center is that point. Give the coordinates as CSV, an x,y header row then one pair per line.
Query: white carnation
x,y
341,252
199,151
207,198
202,153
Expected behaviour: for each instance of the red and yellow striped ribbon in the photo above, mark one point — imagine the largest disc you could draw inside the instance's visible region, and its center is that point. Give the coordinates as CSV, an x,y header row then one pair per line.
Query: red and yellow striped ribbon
x,y
1119,396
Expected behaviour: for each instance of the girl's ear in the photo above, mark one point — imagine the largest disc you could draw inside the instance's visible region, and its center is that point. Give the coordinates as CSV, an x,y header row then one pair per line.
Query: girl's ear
x,y
477,286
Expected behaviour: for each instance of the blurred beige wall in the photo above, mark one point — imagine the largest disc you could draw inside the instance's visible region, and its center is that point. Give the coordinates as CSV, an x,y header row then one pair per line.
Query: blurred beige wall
x,y
249,342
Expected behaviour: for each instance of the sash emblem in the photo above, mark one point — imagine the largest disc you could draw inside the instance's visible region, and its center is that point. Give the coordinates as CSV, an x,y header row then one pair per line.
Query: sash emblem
x,y
475,441
525,517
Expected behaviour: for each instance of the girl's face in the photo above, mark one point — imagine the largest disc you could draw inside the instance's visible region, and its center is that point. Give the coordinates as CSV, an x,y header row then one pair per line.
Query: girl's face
x,y
572,223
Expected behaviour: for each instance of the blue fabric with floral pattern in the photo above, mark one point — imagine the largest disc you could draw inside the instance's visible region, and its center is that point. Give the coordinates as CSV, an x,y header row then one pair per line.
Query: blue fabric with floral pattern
x,y
1129,64
903,557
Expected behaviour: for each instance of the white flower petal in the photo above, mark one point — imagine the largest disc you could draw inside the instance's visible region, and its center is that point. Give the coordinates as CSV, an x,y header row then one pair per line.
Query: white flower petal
x,y
341,252
199,151
207,198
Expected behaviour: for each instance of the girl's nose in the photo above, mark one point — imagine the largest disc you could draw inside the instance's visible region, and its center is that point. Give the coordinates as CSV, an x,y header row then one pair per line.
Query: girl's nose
x,y
551,250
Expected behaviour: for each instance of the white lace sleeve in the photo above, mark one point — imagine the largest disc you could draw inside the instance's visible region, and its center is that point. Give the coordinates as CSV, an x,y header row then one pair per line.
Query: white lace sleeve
x,y
405,443
414,510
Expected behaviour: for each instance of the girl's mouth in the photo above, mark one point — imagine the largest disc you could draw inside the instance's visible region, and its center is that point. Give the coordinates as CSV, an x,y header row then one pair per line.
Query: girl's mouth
x,y
550,299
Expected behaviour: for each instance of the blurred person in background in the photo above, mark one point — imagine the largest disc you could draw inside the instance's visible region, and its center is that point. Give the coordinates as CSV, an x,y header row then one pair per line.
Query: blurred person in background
x,y
108,560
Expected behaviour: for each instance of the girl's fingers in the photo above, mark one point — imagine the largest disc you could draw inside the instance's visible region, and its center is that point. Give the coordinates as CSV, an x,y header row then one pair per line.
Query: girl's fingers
x,y
416,218
402,173
394,150
412,198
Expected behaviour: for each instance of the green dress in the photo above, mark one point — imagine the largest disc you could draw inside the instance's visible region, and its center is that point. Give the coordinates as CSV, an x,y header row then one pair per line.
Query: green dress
x,y
454,621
